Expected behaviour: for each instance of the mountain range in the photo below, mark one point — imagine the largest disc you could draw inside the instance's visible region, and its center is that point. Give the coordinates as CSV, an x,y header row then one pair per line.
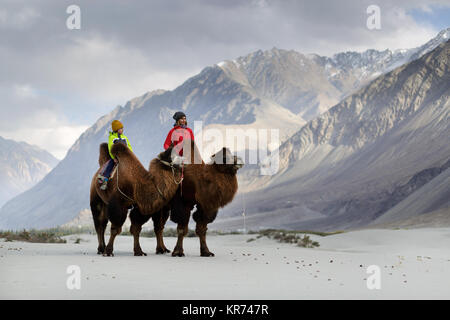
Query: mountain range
x,y
309,84
353,127
350,165
23,165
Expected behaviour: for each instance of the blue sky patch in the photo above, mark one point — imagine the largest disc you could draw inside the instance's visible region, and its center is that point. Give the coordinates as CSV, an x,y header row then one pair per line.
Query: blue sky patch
x,y
439,17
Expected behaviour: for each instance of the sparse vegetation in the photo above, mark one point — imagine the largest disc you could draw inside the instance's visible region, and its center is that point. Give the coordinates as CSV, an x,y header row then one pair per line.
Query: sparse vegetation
x,y
36,236
306,242
51,235
54,235
291,237
266,232
224,233
300,238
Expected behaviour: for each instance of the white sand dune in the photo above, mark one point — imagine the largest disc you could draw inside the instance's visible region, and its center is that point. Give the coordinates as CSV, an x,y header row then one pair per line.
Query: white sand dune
x,y
414,264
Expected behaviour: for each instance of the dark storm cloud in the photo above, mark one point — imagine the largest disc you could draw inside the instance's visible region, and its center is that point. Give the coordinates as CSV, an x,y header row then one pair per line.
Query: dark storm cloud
x,y
173,33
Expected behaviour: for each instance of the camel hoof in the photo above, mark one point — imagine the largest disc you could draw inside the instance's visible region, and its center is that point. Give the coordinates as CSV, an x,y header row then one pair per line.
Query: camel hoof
x,y
206,254
177,253
108,252
162,250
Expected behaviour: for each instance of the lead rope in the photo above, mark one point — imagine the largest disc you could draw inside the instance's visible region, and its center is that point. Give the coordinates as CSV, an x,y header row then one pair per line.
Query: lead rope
x,y
173,174
118,185
182,177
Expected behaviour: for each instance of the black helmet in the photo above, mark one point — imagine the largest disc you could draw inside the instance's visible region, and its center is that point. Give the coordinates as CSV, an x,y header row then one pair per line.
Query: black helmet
x,y
178,115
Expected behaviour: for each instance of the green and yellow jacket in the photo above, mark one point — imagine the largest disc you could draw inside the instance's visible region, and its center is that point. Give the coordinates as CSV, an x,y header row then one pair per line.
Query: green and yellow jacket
x,y
113,136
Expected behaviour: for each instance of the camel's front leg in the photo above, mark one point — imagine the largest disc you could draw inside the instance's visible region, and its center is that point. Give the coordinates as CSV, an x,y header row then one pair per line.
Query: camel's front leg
x,y
200,230
115,231
202,221
182,231
180,212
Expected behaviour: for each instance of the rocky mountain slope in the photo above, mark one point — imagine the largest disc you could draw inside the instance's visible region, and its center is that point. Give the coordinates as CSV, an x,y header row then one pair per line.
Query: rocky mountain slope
x,y
345,168
309,84
426,206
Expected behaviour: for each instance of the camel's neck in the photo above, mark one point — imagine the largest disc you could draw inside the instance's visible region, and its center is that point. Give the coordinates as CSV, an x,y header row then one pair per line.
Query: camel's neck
x,y
134,169
147,194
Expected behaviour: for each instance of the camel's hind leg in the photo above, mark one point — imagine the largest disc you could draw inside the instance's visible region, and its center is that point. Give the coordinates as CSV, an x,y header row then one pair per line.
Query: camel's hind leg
x,y
117,214
159,220
137,220
202,221
98,209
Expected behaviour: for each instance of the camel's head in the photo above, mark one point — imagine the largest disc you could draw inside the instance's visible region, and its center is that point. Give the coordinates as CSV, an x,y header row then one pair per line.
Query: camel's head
x,y
226,161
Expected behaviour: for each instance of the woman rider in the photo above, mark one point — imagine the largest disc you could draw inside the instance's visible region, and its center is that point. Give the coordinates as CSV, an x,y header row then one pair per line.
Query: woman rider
x,y
179,133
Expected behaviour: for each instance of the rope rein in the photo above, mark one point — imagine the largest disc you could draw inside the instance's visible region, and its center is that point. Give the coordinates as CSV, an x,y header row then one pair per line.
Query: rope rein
x,y
170,164
173,174
118,188
159,191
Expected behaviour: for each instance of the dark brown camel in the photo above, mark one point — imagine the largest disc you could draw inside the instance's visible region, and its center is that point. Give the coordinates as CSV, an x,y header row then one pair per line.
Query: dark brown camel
x,y
131,186
209,187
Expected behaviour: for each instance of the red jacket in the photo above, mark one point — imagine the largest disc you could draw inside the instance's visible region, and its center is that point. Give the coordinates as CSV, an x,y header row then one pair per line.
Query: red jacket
x,y
176,135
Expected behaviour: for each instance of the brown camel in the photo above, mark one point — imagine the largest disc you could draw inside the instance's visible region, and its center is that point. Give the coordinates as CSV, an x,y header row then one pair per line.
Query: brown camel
x,y
209,187
147,193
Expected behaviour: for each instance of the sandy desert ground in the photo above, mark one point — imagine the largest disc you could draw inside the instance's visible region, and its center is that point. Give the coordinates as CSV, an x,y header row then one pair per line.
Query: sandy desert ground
x,y
413,264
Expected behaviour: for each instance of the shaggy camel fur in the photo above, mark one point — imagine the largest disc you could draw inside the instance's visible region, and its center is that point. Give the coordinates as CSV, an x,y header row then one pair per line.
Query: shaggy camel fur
x,y
131,186
210,187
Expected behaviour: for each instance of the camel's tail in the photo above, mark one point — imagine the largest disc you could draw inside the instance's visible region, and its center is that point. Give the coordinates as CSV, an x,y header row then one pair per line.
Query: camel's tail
x,y
103,154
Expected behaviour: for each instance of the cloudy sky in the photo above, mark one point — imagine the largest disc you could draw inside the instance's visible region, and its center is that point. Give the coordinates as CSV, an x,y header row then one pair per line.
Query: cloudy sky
x,y
56,82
